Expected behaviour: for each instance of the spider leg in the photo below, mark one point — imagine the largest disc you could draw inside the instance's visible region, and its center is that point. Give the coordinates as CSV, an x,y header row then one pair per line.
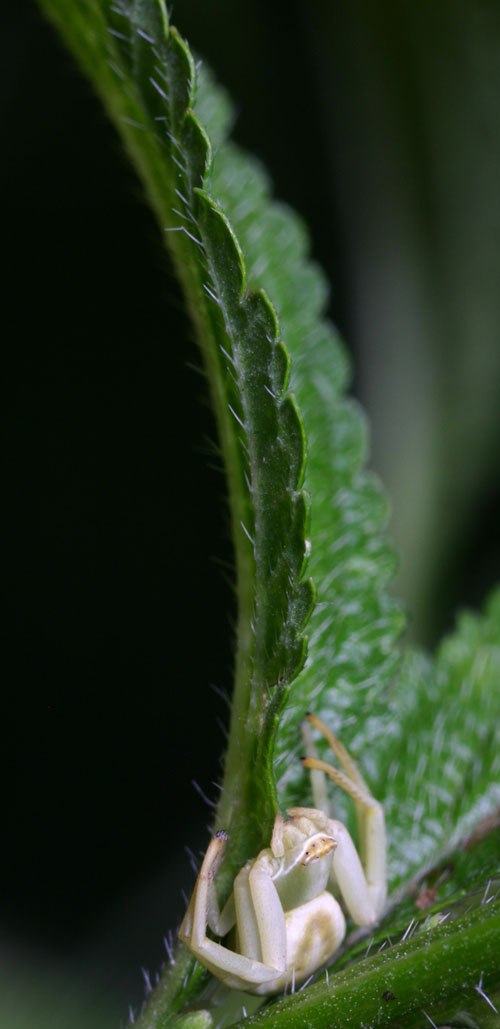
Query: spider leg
x,y
203,908
369,815
258,913
269,914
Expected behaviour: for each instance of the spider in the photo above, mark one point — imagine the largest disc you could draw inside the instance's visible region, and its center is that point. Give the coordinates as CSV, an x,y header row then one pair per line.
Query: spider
x,y
285,920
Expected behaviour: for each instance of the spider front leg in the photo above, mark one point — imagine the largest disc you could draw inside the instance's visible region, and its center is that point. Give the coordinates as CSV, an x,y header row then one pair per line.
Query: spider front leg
x,y
255,908
362,883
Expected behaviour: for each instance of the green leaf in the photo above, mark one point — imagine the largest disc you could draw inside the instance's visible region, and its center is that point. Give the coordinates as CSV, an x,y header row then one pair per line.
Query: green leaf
x,y
147,77
432,752
426,735
353,632
443,763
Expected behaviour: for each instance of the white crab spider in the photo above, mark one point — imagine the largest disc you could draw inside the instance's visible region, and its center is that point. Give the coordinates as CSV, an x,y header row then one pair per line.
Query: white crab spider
x,y
286,922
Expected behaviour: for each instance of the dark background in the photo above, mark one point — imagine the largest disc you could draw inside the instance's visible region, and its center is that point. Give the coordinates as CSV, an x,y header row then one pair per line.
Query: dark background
x,y
118,635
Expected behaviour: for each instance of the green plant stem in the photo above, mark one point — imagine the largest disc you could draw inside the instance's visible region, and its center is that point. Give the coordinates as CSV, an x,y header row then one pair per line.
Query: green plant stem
x,y
472,1009
178,981
446,962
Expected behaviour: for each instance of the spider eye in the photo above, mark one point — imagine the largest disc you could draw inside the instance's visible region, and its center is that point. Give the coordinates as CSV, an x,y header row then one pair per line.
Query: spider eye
x,y
319,847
